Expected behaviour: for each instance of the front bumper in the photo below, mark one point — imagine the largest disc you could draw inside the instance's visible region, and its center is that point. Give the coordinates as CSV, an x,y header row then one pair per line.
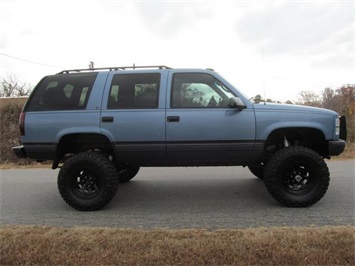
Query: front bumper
x,y
336,147
19,151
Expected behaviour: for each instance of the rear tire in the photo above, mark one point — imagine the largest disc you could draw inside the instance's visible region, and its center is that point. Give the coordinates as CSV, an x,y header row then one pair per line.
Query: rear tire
x,y
296,176
87,181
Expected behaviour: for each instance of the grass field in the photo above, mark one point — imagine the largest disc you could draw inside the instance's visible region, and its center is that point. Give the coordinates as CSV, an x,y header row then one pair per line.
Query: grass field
x,y
29,245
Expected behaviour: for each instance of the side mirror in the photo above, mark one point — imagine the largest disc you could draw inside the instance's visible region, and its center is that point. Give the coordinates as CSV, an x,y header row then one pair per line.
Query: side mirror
x,y
236,102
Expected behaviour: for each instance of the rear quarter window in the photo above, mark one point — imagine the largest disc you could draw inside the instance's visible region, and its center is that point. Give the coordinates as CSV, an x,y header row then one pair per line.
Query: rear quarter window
x,y
62,92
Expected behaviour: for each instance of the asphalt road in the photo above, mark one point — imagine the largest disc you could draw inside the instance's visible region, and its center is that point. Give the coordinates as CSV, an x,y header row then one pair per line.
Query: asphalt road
x,y
211,197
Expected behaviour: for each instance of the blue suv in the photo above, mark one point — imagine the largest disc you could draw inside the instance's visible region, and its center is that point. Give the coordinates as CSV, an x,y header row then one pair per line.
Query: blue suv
x,y
101,125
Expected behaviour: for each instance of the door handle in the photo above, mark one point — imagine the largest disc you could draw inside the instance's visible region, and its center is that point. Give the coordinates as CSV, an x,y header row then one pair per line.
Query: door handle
x,y
173,118
107,119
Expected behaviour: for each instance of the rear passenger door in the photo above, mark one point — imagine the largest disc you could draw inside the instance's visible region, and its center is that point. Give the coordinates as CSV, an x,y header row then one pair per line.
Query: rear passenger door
x,y
133,115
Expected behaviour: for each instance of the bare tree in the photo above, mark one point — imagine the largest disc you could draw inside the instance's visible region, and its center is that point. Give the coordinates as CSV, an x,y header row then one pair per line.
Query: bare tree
x,y
331,100
11,86
309,98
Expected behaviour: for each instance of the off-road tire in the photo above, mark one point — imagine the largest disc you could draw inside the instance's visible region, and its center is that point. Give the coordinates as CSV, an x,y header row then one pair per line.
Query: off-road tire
x,y
126,172
88,181
296,176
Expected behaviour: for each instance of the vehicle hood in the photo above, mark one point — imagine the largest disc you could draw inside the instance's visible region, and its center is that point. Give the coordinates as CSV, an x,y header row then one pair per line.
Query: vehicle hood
x,y
291,108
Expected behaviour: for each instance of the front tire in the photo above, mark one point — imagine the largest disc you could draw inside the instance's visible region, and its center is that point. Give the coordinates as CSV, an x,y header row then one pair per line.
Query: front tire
x,y
296,176
87,181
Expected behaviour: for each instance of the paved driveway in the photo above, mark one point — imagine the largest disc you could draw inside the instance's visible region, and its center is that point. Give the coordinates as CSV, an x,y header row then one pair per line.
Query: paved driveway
x,y
205,197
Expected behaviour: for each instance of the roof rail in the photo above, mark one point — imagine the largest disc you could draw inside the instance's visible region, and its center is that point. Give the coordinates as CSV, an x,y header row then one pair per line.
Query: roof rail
x,y
110,69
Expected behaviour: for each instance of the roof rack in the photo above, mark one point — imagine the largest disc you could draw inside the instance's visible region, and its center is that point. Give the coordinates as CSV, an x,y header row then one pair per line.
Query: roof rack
x,y
110,69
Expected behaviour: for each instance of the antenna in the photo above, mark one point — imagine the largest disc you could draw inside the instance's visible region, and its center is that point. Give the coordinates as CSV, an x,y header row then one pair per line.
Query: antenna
x,y
262,52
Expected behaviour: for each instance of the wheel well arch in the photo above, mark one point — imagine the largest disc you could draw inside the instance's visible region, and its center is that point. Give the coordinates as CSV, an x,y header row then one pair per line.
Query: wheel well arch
x,y
78,142
312,138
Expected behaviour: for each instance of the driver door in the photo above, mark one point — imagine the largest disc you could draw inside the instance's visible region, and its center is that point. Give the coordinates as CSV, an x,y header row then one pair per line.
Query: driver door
x,y
200,127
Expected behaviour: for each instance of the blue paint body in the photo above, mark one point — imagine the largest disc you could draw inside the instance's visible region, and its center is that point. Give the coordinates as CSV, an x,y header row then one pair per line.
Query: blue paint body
x,y
201,136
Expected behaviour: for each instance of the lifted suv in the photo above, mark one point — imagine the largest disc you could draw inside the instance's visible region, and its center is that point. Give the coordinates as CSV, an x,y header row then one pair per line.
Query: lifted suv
x,y
102,125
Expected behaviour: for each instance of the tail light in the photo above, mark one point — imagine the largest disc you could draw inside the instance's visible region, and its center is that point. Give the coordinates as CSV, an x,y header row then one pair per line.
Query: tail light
x,y
22,123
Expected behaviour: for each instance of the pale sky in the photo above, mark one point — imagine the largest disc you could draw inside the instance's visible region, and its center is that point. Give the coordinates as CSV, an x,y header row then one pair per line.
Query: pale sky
x,y
283,47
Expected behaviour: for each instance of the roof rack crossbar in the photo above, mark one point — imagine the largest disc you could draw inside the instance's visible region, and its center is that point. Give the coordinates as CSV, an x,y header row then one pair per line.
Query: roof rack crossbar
x,y
111,69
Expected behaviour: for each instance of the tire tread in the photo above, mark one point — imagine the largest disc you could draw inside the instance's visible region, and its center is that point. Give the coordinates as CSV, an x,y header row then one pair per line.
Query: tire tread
x,y
108,172
272,175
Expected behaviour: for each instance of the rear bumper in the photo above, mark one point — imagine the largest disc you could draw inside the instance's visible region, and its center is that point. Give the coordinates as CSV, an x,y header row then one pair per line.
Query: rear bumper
x,y
336,147
36,151
19,151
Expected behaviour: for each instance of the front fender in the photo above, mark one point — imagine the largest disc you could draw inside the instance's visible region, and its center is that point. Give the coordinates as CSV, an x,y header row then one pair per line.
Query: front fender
x,y
268,121
263,135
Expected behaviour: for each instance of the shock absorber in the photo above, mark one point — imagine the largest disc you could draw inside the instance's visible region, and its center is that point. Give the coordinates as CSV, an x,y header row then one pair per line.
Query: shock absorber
x,y
286,143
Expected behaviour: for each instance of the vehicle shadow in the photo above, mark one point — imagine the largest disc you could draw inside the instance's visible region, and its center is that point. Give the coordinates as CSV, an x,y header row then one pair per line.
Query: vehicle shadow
x,y
192,194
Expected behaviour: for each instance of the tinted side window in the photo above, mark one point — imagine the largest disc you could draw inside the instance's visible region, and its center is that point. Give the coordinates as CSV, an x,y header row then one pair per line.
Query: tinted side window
x,y
198,90
62,92
134,91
